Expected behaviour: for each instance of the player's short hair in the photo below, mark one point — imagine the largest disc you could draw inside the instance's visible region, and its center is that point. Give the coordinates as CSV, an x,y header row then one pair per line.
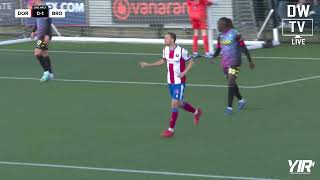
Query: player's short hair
x,y
172,35
227,21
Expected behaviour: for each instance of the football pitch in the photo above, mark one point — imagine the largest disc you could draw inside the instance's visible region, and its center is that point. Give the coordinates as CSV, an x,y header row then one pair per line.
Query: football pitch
x,y
102,116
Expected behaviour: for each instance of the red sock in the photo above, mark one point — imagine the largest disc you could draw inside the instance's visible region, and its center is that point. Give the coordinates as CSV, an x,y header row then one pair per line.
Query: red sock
x,y
188,107
205,43
174,117
195,44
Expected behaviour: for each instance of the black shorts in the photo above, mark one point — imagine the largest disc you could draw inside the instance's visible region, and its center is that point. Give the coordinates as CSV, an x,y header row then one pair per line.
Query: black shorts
x,y
42,45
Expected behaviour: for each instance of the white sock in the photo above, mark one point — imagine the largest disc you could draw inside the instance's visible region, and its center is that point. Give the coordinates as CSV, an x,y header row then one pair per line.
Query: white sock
x,y
242,100
230,108
171,129
46,73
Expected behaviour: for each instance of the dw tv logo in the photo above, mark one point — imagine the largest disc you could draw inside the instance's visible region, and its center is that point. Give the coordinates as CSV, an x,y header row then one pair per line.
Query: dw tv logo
x,y
301,166
297,21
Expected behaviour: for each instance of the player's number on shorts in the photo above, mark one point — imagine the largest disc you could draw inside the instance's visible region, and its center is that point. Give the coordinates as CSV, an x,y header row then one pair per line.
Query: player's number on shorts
x,y
232,71
39,43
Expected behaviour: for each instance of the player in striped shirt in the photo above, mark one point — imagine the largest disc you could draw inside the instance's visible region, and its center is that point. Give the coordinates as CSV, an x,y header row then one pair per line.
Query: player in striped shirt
x,y
176,57
231,45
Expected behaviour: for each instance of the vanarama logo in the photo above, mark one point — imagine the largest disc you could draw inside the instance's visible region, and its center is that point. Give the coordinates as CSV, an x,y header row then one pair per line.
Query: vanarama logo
x,y
123,9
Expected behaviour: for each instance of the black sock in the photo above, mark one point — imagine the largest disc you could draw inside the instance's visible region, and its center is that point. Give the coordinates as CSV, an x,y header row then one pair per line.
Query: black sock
x,y
48,63
237,92
42,62
231,94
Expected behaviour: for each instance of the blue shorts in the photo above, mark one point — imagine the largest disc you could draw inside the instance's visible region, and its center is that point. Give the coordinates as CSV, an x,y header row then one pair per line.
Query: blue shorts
x,y
176,91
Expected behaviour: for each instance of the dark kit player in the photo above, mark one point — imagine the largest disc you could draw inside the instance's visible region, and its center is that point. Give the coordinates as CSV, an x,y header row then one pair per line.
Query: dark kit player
x,y
231,45
43,32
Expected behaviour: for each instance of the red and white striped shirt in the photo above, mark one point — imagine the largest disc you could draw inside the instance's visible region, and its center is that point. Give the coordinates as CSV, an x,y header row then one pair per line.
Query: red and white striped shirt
x,y
176,63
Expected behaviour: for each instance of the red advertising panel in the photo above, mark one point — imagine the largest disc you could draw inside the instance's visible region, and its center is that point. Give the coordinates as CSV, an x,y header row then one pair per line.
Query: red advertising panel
x,y
150,11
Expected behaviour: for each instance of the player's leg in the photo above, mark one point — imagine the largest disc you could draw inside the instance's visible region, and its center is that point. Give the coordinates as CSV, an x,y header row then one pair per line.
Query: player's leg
x,y
241,100
204,26
38,54
231,93
39,57
195,46
205,40
237,92
232,74
173,119
176,93
235,72
188,107
47,60
174,114
45,54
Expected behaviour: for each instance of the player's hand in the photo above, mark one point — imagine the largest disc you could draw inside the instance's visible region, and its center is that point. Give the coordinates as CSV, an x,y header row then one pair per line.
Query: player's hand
x,y
181,75
143,64
46,39
252,65
33,35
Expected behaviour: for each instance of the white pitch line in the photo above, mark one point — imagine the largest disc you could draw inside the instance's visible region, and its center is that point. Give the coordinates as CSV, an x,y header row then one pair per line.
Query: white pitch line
x,y
114,82
131,171
150,54
287,82
288,58
83,52
165,84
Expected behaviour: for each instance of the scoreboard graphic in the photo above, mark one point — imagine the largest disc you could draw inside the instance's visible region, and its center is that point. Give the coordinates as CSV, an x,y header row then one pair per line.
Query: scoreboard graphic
x,y
40,12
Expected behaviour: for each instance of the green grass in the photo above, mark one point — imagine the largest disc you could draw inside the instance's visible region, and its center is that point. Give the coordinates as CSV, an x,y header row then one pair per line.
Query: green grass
x,y
7,37
118,125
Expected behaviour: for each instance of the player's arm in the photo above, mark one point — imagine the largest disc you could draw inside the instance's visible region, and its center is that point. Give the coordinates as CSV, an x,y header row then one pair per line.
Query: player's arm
x,y
34,29
154,64
186,57
48,31
245,50
217,51
189,66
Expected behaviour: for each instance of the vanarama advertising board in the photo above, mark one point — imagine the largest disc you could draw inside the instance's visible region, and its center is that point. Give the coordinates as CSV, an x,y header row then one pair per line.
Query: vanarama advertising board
x,y
150,12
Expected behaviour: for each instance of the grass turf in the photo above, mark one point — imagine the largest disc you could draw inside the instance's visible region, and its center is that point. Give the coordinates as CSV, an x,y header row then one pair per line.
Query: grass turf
x,y
118,125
